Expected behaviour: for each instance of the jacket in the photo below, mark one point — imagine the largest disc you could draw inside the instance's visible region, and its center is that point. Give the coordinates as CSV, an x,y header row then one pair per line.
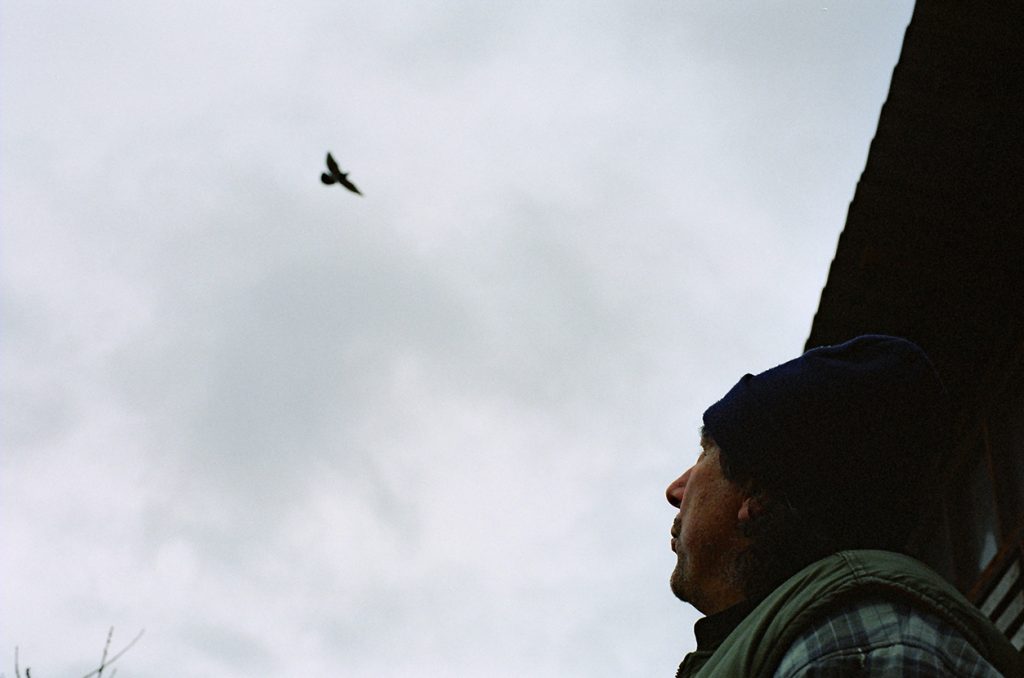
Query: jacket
x,y
758,644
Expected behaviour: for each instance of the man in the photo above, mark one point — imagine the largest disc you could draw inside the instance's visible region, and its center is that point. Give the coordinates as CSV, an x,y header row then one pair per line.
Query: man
x,y
792,521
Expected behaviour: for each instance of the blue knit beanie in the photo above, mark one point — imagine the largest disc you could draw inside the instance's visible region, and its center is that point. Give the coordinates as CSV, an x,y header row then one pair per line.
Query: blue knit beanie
x,y
847,434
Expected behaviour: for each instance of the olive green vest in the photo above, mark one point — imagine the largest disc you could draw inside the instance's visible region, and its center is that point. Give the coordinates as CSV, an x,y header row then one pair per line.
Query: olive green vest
x,y
758,643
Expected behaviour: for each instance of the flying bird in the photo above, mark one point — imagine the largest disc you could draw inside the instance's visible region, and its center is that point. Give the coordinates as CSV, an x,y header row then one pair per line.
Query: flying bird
x,y
336,176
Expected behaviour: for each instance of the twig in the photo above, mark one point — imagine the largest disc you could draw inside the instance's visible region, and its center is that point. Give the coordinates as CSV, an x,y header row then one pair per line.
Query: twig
x,y
17,671
106,648
99,672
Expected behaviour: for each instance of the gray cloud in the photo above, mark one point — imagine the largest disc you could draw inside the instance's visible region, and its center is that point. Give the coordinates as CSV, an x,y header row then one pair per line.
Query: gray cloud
x,y
288,429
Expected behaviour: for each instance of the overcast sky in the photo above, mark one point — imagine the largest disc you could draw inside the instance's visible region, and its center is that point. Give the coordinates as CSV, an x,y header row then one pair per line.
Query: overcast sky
x,y
292,431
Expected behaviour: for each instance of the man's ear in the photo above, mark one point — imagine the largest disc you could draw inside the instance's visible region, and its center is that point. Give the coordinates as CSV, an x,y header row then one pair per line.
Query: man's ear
x,y
749,509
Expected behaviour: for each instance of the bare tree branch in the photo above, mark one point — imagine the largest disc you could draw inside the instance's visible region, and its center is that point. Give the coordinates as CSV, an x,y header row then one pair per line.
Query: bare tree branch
x,y
107,647
99,672
105,663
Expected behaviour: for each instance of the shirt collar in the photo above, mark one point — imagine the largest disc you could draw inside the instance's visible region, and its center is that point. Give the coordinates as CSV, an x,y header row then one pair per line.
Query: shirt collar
x,y
715,628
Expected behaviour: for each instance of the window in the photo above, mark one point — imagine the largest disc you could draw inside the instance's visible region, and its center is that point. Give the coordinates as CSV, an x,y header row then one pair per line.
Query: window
x,y
972,518
1003,599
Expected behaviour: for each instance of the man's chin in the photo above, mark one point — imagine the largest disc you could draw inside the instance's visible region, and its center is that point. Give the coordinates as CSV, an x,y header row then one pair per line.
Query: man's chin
x,y
678,584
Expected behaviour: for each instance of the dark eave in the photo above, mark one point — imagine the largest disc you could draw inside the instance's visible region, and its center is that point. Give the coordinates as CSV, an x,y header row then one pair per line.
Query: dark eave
x,y
933,246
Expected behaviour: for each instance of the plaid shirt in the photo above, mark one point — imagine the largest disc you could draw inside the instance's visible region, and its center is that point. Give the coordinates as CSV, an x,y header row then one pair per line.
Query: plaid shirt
x,y
877,637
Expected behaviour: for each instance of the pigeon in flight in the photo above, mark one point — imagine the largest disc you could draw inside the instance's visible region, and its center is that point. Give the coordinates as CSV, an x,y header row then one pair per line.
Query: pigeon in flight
x,y
336,176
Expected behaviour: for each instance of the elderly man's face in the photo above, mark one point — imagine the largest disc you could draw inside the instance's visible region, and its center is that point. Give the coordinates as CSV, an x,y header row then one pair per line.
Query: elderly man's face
x,y
706,534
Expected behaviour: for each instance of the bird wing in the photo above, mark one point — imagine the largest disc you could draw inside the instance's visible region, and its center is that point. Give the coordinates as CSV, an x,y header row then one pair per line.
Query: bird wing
x,y
349,185
332,166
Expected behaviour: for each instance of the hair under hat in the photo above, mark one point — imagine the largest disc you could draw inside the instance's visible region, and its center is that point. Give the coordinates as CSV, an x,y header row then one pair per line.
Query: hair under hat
x,y
846,434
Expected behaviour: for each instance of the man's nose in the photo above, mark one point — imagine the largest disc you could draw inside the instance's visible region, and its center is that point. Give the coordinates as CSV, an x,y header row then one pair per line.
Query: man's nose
x,y
675,490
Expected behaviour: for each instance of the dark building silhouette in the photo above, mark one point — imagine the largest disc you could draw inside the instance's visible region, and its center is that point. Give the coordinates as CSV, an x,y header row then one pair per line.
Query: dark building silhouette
x,y
933,250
